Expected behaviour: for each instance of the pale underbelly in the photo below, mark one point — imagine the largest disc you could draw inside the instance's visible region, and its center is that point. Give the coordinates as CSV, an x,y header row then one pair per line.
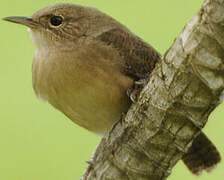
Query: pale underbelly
x,y
92,108
93,100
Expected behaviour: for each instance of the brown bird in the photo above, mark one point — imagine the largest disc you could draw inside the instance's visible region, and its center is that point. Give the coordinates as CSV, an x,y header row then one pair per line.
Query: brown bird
x,y
85,63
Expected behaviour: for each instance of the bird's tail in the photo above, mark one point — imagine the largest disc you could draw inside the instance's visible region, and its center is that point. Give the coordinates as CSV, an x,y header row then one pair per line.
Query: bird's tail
x,y
202,155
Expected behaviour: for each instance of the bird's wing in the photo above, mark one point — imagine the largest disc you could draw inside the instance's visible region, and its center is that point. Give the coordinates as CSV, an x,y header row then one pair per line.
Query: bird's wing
x,y
139,57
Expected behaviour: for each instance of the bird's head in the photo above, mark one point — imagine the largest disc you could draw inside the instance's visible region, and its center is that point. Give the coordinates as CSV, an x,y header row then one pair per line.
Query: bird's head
x,y
62,23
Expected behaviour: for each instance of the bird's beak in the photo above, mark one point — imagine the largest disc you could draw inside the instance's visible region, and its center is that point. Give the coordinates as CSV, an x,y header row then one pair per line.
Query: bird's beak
x,y
27,21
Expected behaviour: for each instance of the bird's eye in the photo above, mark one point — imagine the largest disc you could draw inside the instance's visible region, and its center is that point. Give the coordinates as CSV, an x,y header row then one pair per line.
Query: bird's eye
x,y
56,20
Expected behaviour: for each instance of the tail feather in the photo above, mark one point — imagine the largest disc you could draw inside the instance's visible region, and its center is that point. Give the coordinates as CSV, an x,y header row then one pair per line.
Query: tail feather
x,y
202,155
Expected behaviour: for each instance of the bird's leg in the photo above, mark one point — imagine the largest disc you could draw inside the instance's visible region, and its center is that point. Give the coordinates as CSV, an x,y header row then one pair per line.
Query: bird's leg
x,y
134,91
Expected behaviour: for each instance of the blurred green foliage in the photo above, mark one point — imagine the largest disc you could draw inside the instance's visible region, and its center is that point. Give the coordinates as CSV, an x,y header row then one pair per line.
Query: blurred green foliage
x,y
38,142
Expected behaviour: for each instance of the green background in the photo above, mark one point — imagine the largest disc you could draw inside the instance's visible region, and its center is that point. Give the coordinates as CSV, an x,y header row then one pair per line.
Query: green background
x,y
38,142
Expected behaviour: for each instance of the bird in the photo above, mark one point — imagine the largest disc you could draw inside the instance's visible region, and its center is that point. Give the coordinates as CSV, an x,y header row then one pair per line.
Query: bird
x,y
92,68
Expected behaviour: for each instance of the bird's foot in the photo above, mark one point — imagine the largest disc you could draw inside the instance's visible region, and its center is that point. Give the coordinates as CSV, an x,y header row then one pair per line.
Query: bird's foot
x,y
135,90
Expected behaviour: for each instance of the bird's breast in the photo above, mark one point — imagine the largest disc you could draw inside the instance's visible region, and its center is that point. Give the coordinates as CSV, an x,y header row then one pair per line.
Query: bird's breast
x,y
85,86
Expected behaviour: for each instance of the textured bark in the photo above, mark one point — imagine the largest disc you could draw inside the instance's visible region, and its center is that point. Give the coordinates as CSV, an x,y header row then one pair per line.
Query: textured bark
x,y
173,107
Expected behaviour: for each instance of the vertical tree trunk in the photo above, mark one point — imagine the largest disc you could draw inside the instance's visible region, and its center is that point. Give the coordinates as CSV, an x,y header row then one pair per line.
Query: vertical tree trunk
x,y
173,107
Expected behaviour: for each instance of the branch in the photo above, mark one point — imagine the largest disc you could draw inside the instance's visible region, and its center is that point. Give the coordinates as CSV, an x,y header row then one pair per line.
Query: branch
x,y
173,107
